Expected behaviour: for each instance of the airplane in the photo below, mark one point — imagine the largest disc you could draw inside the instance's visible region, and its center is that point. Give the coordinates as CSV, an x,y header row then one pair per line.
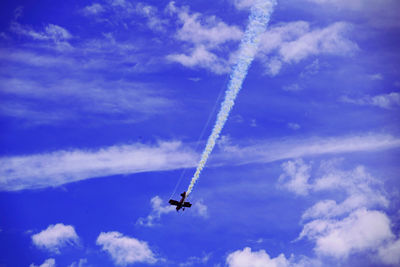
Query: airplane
x,y
180,204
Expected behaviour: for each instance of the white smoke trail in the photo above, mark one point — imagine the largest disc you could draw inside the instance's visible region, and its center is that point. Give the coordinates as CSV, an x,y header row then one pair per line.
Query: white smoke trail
x,y
259,17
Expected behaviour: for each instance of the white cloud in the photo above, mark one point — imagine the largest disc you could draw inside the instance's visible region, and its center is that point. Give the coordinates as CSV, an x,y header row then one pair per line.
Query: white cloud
x,y
55,237
360,231
274,66
312,68
294,41
200,209
47,263
208,31
125,101
51,32
262,151
329,40
203,33
93,9
354,4
390,253
154,22
369,10
59,167
201,57
361,189
125,250
387,101
260,258
350,226
295,177
157,210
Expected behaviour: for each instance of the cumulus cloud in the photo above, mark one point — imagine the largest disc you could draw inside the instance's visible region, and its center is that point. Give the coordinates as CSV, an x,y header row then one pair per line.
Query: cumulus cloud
x,y
294,41
47,263
124,249
352,225
203,34
360,231
295,176
55,237
249,258
361,189
59,167
387,101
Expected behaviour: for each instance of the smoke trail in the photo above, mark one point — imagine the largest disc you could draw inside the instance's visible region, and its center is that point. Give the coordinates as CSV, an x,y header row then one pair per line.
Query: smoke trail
x,y
259,17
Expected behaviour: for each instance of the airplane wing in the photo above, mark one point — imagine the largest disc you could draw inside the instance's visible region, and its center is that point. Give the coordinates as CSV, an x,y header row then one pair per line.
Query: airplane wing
x,y
187,204
173,202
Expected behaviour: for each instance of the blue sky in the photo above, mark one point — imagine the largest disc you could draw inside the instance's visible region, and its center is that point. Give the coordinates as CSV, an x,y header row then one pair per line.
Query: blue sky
x,y
106,104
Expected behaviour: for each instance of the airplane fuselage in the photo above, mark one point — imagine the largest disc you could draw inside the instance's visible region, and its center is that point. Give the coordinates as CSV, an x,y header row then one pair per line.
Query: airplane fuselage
x,y
181,203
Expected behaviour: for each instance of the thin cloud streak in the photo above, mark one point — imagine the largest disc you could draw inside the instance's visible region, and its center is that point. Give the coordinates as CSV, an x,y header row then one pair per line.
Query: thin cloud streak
x,y
60,167
273,150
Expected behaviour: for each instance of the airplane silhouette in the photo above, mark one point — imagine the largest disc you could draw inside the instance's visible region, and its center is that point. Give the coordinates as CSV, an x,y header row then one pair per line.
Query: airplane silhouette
x,y
180,204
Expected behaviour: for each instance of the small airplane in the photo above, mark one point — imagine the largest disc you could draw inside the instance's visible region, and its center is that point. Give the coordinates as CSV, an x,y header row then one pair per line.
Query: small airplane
x,y
180,204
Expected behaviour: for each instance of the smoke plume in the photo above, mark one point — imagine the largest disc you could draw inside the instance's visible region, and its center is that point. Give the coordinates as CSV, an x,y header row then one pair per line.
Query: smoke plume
x,y
259,17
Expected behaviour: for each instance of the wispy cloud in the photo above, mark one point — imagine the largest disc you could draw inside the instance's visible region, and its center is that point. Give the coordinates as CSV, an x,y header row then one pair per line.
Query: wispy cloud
x,y
293,126
54,169
57,34
157,209
273,150
195,261
387,101
73,99
60,167
370,11
93,9
154,21
47,263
